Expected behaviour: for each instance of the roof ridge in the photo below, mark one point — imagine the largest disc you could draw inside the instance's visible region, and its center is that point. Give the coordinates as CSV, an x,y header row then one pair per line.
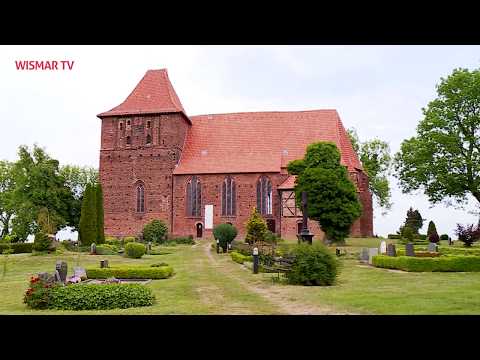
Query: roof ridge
x,y
266,112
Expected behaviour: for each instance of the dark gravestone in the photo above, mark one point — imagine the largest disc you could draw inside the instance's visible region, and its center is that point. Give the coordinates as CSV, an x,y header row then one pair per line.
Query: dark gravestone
x,y
409,250
432,247
391,250
104,264
62,269
56,277
305,235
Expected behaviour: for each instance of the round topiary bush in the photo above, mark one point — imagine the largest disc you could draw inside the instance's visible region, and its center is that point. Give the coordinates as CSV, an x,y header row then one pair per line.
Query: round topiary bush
x,y
128,239
313,265
155,231
224,233
134,250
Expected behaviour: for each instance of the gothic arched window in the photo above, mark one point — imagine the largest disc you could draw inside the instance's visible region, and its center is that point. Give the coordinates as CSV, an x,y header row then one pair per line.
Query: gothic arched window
x,y
228,197
129,140
140,198
149,139
264,196
194,197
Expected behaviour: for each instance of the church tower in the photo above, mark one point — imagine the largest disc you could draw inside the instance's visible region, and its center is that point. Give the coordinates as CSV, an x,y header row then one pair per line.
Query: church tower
x,y
142,140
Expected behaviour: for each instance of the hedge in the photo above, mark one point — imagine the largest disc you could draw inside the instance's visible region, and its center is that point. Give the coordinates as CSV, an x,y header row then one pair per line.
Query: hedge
x,y
18,248
106,249
100,296
161,272
442,263
459,251
419,253
240,258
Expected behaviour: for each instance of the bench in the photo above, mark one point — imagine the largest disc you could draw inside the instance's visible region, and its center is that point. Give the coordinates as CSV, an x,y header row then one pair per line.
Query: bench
x,y
278,265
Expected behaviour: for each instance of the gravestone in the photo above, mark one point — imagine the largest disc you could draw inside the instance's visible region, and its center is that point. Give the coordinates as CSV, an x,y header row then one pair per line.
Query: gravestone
x,y
432,247
80,272
383,247
56,277
149,247
62,269
371,253
409,250
391,250
364,254
93,248
103,264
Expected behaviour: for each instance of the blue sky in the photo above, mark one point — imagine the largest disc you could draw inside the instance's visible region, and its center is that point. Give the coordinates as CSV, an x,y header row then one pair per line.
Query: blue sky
x,y
379,90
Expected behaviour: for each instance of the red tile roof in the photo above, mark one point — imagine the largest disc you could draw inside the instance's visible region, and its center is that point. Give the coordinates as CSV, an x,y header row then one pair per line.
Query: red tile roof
x,y
259,141
153,94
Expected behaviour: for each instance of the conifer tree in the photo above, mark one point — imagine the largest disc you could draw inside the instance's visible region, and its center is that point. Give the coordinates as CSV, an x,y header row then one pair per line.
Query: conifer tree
x,y
256,228
99,213
431,228
414,220
88,219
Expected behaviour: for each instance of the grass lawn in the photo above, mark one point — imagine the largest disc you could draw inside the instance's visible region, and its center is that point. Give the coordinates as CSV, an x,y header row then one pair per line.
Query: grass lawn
x,y
210,283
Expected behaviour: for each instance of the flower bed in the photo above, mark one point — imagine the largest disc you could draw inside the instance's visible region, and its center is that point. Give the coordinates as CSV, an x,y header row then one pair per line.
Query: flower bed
x,y
417,264
161,272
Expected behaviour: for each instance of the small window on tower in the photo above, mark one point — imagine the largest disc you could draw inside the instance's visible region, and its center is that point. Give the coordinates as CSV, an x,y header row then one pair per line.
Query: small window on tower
x,y
121,126
148,124
128,122
149,139
129,140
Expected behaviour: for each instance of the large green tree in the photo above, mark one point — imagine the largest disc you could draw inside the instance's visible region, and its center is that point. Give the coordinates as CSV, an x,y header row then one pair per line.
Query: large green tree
x,y
377,161
87,233
331,195
443,159
38,184
7,205
99,214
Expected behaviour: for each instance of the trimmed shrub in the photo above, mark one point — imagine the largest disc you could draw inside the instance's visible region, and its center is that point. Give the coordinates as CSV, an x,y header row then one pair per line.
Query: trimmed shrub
x,y
448,250
155,231
256,228
272,238
444,237
417,264
394,236
100,296
106,249
161,272
18,248
134,250
187,240
239,258
224,233
128,239
313,265
419,253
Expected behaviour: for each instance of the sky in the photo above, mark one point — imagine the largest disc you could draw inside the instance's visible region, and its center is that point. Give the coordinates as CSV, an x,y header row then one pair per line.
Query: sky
x,y
378,90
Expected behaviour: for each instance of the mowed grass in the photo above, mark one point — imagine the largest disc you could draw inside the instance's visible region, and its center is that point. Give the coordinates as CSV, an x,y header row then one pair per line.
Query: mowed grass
x,y
201,286
196,288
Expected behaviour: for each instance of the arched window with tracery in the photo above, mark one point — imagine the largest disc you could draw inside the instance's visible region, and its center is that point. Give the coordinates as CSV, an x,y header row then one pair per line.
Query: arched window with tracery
x,y
194,197
140,190
228,197
264,196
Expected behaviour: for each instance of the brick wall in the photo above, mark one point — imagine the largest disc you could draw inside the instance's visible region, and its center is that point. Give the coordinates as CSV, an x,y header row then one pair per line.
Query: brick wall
x,y
123,167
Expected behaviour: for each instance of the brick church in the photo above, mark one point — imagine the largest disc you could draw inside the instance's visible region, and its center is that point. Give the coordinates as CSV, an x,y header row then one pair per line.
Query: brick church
x,y
195,172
